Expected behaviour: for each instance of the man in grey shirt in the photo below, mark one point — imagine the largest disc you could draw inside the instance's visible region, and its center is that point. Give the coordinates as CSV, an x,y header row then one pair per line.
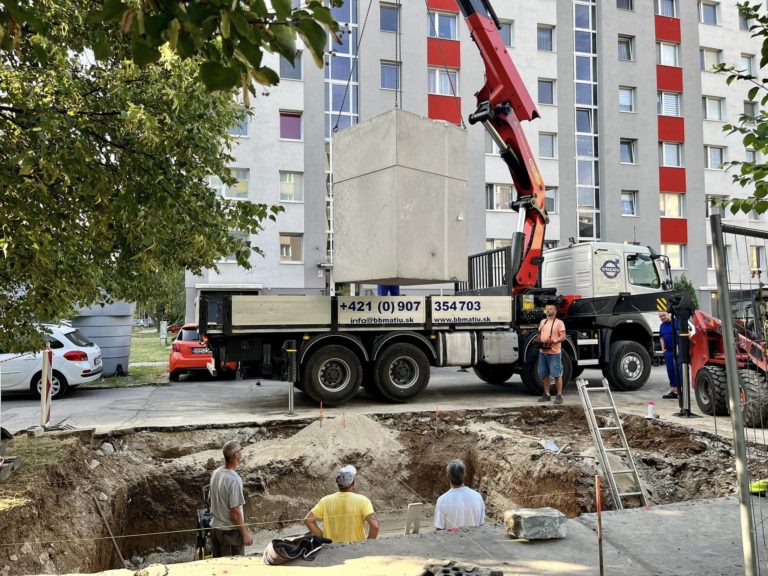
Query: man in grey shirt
x,y
230,536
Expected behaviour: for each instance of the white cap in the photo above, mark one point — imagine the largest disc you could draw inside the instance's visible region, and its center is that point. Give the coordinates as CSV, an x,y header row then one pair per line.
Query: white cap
x,y
346,476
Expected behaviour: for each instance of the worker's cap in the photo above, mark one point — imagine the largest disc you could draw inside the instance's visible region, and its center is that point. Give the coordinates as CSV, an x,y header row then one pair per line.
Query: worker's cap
x,y
346,476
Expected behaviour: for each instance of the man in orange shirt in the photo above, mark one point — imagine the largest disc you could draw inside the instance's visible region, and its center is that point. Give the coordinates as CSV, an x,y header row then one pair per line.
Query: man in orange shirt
x,y
551,336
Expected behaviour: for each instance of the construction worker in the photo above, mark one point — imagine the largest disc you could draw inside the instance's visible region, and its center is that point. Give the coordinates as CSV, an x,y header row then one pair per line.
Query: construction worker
x,y
461,506
230,536
344,513
666,339
551,336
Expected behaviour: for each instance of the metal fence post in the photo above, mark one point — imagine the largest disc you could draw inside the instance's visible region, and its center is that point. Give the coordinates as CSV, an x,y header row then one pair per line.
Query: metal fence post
x,y
737,419
289,347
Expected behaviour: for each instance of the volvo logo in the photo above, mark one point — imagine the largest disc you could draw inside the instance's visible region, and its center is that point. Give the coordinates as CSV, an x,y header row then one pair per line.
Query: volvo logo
x,y
611,268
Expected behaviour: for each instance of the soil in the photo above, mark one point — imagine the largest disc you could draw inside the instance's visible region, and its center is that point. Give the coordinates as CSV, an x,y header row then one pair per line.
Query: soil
x,y
149,483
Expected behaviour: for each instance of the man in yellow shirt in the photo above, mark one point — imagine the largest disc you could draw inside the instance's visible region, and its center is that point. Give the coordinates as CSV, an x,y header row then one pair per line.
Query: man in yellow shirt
x,y
344,513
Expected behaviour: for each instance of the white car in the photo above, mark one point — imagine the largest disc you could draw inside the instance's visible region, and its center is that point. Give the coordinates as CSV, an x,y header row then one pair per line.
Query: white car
x,y
76,360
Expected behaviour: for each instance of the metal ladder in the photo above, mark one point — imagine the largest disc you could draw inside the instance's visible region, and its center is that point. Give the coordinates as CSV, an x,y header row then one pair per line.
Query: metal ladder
x,y
609,407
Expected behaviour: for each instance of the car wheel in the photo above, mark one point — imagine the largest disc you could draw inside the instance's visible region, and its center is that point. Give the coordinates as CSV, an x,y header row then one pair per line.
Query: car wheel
x,y
174,376
58,385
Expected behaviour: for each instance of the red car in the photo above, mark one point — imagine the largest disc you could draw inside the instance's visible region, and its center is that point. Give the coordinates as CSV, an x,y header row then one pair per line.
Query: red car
x,y
188,354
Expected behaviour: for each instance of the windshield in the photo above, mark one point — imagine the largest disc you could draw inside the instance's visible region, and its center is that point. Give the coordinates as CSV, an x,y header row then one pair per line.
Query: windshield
x,y
188,335
641,271
78,339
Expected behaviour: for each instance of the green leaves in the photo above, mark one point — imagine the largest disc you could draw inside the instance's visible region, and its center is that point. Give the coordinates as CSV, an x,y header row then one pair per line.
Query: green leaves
x,y
216,76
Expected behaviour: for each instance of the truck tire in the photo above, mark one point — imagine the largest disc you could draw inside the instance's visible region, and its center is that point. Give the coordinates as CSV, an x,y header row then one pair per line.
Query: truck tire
x,y
495,374
711,390
576,371
754,398
629,366
332,375
530,374
401,372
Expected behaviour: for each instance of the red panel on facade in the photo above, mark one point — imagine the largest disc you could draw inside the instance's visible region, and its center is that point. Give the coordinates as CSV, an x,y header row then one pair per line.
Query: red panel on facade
x,y
671,129
669,78
443,53
444,108
674,231
668,29
444,5
671,179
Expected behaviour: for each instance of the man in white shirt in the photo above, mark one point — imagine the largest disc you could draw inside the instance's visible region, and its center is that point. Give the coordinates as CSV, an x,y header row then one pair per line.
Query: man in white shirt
x,y
461,506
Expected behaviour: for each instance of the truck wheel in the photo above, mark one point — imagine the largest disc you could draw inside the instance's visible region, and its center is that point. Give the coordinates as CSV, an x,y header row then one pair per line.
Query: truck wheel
x,y
495,374
576,371
754,398
530,374
629,366
332,375
711,389
401,372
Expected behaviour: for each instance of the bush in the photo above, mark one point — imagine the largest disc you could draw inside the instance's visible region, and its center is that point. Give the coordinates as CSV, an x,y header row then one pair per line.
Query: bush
x,y
683,284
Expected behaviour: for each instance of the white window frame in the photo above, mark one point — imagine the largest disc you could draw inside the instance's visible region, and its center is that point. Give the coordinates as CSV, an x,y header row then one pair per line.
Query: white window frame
x,y
630,41
280,245
632,150
708,149
390,64
749,152
750,117
709,4
230,258
659,3
301,125
551,30
666,200
553,137
661,107
660,52
750,60
511,24
633,194
632,104
553,83
663,154
744,22
718,104
495,189
553,195
221,189
386,6
297,67
630,6
682,247
293,175
756,255
433,24
436,76
703,52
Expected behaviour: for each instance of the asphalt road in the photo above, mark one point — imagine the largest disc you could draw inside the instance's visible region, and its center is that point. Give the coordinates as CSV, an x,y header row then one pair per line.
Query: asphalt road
x,y
200,401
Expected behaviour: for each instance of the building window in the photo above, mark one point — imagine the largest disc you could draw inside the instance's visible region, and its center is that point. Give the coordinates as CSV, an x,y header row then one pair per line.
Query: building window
x,y
711,256
442,25
547,145
676,255
242,123
751,156
626,48
710,200
746,65
390,75
291,246
237,191
714,157
290,125
625,4
666,8
241,238
668,103
389,18
626,99
671,154
546,91
671,205
712,108
667,54
756,258
708,13
291,187
553,200
628,151
498,196
443,81
709,58
629,202
290,71
490,145
494,243
545,38
744,22
507,32
750,112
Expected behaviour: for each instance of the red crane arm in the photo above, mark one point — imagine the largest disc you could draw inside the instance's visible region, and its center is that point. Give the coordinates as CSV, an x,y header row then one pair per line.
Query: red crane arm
x,y
501,105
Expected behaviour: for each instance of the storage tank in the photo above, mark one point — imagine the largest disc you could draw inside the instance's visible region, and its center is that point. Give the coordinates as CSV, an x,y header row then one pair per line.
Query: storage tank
x,y
109,326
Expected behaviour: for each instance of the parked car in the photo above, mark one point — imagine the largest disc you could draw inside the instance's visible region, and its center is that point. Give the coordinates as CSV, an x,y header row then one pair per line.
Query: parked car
x,y
76,360
143,322
188,354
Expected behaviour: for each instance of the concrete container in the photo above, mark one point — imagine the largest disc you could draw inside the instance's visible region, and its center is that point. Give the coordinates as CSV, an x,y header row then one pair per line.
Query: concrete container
x,y
400,201
109,327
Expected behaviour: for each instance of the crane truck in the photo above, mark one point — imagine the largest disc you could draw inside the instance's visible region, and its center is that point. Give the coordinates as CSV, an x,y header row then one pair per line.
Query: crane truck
x,y
388,344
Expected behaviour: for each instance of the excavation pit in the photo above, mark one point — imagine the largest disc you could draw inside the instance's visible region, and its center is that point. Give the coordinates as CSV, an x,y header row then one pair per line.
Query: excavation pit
x,y
149,484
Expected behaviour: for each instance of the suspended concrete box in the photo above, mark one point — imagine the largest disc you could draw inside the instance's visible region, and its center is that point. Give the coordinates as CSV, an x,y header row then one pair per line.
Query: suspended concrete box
x,y
109,326
400,201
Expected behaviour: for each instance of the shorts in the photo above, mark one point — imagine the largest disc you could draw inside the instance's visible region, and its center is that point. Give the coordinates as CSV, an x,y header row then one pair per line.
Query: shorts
x,y
227,543
550,365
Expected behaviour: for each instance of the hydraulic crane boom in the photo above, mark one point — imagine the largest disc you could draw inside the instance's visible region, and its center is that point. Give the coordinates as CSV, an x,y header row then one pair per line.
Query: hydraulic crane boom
x,y
501,105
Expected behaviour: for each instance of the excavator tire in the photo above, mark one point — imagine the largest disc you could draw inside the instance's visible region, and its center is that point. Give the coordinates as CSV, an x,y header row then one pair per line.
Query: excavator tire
x,y
628,367
496,374
711,390
754,401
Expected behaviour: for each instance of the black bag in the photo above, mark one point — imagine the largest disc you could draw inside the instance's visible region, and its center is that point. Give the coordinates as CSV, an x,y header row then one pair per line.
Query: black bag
x,y
284,550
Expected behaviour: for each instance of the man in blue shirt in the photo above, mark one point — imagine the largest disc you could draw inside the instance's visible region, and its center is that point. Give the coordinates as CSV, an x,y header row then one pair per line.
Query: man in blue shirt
x,y
667,347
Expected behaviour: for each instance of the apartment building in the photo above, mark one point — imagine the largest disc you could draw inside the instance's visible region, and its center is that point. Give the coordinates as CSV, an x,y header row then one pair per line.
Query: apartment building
x,y
629,142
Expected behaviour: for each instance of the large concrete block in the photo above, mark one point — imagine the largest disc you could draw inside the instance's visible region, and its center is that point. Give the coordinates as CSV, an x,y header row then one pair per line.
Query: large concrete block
x,y
400,201
535,523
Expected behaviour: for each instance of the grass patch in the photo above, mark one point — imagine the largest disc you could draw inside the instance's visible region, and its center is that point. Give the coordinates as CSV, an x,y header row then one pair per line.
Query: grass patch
x,y
148,348
137,376
40,457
